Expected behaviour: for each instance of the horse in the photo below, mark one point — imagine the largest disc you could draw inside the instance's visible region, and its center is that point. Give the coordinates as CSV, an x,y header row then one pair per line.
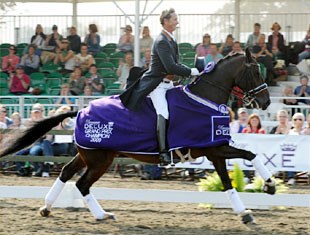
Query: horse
x,y
215,85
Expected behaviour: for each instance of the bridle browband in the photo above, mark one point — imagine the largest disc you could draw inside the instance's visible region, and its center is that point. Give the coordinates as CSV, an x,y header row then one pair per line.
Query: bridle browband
x,y
247,97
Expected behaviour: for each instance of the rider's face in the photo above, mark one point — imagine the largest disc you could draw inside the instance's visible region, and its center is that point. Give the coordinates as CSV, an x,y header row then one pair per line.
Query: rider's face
x,y
171,24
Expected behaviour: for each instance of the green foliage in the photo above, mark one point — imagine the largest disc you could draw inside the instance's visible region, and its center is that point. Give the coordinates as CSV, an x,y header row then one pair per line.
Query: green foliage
x,y
210,183
258,184
237,178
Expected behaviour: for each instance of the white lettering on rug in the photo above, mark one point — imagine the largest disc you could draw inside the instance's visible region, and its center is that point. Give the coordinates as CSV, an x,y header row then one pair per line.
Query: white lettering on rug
x,y
96,131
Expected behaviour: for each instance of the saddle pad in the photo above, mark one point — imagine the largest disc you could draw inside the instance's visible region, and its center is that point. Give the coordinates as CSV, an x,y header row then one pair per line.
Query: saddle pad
x,y
193,123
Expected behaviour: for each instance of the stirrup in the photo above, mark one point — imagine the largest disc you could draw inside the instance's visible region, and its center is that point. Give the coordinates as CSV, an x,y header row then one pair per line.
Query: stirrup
x,y
165,159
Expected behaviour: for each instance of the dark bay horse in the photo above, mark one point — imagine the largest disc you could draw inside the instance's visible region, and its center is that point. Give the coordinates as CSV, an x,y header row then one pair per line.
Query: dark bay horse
x,y
234,70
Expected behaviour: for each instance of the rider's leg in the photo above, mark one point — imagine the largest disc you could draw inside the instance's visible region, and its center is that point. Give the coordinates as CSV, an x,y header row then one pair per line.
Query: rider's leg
x,y
158,97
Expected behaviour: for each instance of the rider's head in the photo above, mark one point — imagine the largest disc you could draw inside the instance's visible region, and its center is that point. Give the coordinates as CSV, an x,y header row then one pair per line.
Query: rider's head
x,y
169,20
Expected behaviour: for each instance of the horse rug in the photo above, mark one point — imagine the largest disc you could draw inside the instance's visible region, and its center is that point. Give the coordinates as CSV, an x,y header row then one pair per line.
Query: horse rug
x,y
194,122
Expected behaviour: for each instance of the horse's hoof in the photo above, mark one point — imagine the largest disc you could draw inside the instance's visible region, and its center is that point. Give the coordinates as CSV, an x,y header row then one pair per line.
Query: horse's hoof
x,y
108,216
44,212
270,187
247,217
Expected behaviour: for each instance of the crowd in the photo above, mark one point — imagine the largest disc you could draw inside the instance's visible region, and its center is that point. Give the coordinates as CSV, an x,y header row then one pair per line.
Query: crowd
x,y
76,60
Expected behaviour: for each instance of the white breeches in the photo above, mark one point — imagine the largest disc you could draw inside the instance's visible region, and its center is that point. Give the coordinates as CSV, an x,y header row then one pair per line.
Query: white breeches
x,y
158,97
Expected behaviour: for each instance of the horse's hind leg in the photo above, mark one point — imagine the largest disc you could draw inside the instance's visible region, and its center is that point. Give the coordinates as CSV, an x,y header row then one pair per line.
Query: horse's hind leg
x,y
97,161
233,196
66,174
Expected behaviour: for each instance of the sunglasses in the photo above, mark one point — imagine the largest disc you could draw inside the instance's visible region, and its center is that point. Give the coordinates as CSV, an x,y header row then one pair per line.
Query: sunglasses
x,y
298,119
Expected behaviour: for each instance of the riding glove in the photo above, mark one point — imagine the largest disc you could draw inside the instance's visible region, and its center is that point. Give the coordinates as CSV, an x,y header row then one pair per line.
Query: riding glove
x,y
194,72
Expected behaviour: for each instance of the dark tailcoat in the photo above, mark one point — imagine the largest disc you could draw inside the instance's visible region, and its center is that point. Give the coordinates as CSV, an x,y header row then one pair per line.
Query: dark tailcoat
x,y
165,56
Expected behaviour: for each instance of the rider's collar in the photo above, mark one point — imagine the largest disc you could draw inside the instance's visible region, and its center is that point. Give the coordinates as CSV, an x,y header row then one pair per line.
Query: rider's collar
x,y
169,34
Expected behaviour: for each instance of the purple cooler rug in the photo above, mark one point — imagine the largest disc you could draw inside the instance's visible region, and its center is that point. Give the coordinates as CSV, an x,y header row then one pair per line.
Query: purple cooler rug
x,y
194,123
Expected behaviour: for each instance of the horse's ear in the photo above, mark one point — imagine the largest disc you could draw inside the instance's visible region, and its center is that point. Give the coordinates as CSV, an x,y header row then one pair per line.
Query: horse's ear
x,y
248,55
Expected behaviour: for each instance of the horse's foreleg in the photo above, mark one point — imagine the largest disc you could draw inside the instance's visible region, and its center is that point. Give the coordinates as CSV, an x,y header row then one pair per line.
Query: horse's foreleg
x,y
66,174
97,163
233,196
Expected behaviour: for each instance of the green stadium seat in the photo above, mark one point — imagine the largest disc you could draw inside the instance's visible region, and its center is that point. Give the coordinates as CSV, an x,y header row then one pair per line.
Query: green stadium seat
x,y
109,48
54,90
4,91
115,57
49,68
5,45
107,73
106,65
3,83
53,82
4,76
185,47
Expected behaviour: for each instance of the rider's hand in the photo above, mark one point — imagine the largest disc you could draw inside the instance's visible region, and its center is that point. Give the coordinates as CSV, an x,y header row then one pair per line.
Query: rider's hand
x,y
194,72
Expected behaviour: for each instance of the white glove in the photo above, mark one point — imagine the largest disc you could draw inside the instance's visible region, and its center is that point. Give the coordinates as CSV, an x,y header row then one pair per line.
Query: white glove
x,y
194,72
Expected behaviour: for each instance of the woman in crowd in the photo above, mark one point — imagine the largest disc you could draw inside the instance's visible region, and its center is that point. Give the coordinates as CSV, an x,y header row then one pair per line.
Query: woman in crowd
x,y
126,41
65,57
276,42
10,61
146,42
38,39
93,39
84,60
283,126
77,81
254,125
65,95
227,47
30,60
203,49
19,83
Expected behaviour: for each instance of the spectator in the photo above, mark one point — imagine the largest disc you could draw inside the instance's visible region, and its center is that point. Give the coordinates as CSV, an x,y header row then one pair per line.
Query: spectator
x,y
298,122
283,126
87,92
17,121
123,69
146,59
288,92
306,130
237,48
76,81
3,116
10,61
84,60
31,61
95,82
262,52
52,41
238,125
146,42
214,54
276,42
254,125
306,53
19,83
74,40
227,47
93,39
253,37
65,93
203,49
303,90
38,39
65,57
126,41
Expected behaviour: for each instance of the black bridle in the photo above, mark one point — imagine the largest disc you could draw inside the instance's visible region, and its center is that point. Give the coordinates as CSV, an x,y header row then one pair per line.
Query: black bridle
x,y
247,97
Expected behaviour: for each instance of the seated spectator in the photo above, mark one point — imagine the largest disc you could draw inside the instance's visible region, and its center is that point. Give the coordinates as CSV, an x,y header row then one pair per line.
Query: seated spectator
x,y
283,126
227,47
95,81
87,92
17,121
75,40
254,125
306,53
38,39
253,37
3,116
203,49
52,40
303,90
84,60
65,57
146,59
19,83
298,122
237,48
262,52
289,92
10,61
76,82
146,42
65,93
306,130
126,41
93,39
276,42
30,60
123,69
214,54
238,125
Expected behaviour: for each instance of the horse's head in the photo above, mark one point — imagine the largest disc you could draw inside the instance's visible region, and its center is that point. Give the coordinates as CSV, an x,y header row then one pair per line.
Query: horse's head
x,y
250,81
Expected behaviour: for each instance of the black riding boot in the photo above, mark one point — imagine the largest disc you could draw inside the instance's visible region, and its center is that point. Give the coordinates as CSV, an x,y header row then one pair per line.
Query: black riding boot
x,y
164,156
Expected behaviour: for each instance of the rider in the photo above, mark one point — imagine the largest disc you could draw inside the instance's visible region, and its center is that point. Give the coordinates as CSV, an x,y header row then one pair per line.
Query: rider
x,y
158,79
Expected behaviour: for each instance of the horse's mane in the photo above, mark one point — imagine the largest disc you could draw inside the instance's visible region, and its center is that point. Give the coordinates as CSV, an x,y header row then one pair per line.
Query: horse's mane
x,y
229,56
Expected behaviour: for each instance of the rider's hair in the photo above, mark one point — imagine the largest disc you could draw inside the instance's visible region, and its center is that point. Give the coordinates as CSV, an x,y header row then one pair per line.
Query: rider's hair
x,y
166,14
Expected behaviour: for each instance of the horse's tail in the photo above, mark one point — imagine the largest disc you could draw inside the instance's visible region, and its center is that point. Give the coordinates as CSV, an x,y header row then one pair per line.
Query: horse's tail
x,y
31,134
